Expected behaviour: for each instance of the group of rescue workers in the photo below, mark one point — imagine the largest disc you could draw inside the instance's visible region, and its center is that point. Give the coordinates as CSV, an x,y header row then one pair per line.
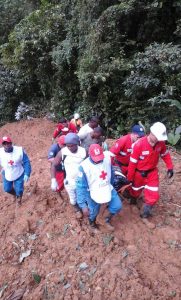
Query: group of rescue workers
x,y
90,173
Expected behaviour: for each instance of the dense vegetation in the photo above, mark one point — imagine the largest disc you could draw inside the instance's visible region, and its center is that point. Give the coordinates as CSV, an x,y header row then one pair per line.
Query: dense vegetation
x,y
118,59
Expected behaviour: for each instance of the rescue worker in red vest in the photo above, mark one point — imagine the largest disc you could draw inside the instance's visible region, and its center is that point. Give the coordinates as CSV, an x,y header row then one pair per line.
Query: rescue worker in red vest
x,y
123,147
142,169
63,127
16,168
94,186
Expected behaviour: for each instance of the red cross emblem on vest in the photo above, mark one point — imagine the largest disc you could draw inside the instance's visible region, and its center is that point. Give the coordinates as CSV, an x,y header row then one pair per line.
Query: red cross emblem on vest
x,y
103,175
11,162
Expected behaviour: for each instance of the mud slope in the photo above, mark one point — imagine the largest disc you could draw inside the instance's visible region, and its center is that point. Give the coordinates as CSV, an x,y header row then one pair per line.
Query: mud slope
x,y
65,260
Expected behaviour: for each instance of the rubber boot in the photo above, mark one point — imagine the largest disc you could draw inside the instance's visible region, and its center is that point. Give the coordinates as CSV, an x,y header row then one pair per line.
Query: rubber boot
x,y
94,228
145,215
78,212
146,211
19,200
12,192
93,224
108,226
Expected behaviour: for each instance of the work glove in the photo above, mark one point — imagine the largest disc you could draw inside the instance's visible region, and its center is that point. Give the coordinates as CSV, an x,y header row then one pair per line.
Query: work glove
x,y
26,178
54,184
170,173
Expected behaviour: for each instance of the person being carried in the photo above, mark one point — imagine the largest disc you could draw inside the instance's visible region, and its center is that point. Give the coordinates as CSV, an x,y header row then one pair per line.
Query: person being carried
x,y
77,121
94,186
16,168
123,147
87,128
72,155
142,169
59,173
63,127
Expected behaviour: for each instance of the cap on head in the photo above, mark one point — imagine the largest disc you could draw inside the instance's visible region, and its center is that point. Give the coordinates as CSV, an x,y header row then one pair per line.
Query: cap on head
x,y
76,116
158,129
138,130
72,138
96,152
6,139
61,140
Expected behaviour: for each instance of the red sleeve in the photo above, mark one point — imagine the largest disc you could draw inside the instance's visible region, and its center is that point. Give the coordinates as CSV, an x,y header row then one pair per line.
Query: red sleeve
x,y
57,130
165,155
116,148
72,128
133,161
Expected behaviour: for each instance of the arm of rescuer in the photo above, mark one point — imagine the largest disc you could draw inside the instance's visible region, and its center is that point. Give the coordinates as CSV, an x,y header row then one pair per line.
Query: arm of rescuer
x,y
57,130
26,166
72,128
134,157
165,155
116,148
82,191
57,160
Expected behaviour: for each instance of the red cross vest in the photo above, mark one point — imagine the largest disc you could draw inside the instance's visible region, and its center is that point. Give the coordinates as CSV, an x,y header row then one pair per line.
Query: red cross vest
x,y
12,163
98,179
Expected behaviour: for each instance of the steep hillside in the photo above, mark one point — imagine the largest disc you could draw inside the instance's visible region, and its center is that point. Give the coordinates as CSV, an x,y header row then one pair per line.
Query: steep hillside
x,y
65,260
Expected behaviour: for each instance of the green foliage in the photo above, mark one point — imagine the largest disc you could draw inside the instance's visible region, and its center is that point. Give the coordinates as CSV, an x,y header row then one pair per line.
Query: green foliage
x,y
155,78
116,59
173,138
11,12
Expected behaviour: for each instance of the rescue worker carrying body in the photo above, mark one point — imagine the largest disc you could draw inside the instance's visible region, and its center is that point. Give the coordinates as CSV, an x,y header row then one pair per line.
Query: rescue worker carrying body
x,y
123,147
142,169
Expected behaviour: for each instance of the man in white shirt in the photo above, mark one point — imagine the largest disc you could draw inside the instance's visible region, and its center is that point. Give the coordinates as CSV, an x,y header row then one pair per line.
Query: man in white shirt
x,y
88,128
71,156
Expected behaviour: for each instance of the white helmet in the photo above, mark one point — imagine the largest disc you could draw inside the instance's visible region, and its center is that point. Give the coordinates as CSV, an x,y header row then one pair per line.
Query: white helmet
x,y
159,131
76,116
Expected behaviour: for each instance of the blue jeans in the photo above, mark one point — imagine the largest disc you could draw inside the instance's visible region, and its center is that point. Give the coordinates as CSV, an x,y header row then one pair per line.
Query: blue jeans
x,y
17,184
114,206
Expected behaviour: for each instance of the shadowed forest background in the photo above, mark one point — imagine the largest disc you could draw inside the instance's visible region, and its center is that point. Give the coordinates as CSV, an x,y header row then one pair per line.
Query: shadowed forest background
x,y
118,59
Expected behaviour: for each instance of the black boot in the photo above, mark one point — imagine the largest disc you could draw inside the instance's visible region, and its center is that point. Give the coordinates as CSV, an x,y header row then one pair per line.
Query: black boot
x,y
132,201
146,211
93,224
18,200
107,222
12,192
78,212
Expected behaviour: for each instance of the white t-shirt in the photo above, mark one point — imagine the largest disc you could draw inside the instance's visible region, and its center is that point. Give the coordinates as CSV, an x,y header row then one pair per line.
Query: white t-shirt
x,y
72,162
83,132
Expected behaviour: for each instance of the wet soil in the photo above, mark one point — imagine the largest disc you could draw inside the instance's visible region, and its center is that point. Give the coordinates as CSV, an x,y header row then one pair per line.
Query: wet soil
x,y
46,253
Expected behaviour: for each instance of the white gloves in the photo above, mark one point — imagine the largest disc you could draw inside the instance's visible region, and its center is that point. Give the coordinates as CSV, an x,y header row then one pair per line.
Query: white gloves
x,y
26,177
54,184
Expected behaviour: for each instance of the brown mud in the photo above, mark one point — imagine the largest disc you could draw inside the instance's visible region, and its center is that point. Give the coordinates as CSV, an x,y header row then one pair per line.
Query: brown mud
x,y
46,253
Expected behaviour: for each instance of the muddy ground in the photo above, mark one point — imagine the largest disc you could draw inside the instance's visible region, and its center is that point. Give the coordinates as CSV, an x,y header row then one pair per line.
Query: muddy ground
x,y
64,259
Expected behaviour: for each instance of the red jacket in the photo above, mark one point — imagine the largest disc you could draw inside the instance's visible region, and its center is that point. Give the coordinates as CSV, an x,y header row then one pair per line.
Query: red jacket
x,y
145,157
122,149
59,129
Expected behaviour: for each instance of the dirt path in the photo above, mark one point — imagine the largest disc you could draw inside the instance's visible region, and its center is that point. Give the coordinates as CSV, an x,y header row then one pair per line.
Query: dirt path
x,y
64,259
